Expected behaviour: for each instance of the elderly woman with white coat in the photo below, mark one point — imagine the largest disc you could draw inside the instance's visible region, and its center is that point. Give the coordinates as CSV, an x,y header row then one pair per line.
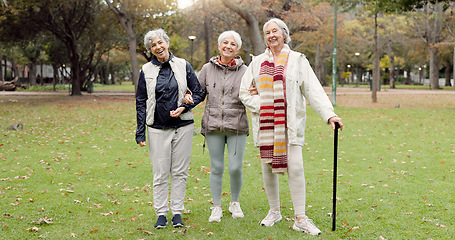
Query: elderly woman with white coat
x,y
275,88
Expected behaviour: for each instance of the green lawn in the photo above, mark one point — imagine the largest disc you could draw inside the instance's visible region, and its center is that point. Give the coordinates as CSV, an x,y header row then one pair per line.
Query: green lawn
x,y
77,166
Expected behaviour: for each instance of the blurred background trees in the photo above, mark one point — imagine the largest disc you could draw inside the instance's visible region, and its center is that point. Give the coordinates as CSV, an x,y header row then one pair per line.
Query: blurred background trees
x,y
82,41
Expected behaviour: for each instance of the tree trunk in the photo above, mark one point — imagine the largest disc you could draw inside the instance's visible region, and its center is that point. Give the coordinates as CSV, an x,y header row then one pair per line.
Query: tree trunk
x,y
14,69
112,73
75,71
376,67
126,20
453,68
56,78
434,68
32,73
132,50
447,75
408,76
6,64
317,65
1,66
342,70
252,25
392,65
207,30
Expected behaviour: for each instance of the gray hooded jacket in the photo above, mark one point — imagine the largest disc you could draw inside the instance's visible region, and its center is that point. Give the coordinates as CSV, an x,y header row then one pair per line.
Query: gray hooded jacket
x,y
224,111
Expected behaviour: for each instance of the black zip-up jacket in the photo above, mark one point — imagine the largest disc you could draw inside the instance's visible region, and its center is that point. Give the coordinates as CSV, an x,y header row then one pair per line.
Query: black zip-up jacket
x,y
166,98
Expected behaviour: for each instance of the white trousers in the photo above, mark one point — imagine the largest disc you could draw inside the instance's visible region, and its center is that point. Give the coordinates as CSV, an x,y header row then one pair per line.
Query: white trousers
x,y
296,181
170,153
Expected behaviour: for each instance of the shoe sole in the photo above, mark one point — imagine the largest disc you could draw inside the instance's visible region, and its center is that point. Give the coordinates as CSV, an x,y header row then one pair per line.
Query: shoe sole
x,y
178,225
301,230
237,216
279,219
219,220
160,227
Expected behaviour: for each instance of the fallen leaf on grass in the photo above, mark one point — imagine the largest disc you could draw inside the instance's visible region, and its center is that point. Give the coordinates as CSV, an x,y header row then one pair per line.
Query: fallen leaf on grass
x,y
43,220
440,225
353,228
94,231
210,233
145,231
33,229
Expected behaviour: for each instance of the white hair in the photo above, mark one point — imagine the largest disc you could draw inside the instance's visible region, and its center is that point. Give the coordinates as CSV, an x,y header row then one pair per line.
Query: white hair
x,y
284,28
150,35
233,34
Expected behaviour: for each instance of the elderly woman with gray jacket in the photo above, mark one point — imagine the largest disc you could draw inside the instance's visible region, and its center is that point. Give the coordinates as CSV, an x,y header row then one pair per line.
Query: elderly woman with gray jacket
x,y
225,121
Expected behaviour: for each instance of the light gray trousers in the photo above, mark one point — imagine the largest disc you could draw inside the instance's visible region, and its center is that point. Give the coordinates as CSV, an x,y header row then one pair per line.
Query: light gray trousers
x,y
296,181
170,153
216,142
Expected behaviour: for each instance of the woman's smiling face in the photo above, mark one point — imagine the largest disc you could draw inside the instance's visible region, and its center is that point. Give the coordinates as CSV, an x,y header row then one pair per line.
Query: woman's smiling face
x,y
274,36
160,49
228,48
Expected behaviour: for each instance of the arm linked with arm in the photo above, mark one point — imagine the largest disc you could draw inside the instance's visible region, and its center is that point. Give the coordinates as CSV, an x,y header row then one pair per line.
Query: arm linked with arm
x,y
251,102
195,88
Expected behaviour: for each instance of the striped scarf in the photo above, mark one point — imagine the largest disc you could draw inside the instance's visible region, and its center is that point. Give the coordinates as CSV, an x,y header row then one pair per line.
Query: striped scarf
x,y
272,118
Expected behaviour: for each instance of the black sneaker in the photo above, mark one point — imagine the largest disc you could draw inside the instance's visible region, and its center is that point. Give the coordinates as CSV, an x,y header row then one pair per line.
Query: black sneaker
x,y
177,221
161,222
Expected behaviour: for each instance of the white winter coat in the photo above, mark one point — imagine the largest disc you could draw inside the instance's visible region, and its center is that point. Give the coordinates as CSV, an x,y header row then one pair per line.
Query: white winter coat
x,y
301,84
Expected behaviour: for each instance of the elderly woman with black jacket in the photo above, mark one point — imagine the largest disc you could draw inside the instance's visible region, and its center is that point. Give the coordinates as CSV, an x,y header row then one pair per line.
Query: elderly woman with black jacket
x,y
162,85
225,121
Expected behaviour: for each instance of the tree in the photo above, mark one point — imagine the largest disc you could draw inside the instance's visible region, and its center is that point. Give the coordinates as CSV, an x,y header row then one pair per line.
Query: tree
x,y
130,13
428,23
69,21
252,24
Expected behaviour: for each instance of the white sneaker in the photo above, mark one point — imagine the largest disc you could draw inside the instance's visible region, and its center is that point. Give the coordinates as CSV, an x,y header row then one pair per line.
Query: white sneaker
x,y
216,215
234,208
306,225
271,218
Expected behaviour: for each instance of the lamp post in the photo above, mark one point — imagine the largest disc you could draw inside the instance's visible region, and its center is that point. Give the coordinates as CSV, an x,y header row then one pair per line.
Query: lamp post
x,y
192,40
334,72
357,70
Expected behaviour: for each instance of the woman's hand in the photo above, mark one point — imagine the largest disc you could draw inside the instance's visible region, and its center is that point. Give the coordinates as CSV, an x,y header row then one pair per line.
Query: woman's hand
x,y
333,120
142,144
188,99
177,112
253,91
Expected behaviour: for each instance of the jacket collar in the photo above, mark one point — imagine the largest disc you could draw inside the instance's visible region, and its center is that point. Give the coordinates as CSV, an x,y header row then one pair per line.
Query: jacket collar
x,y
238,63
158,63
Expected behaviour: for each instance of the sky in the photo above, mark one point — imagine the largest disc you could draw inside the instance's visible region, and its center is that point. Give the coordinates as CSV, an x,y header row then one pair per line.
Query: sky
x,y
185,3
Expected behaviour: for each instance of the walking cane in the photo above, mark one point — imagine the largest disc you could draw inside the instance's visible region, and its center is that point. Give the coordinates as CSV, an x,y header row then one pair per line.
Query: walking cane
x,y
335,151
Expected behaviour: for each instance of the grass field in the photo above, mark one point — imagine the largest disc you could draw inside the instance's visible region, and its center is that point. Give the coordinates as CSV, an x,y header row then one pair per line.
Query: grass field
x,y
75,171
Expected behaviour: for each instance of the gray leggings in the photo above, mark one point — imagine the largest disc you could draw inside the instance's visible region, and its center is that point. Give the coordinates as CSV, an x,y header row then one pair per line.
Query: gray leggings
x,y
216,142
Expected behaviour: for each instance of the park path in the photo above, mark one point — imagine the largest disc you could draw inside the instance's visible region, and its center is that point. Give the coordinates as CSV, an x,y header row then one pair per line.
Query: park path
x,y
346,97
328,90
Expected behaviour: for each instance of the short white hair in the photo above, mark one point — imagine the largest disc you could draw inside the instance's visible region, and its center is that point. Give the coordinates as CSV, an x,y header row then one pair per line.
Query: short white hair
x,y
284,28
233,34
150,35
